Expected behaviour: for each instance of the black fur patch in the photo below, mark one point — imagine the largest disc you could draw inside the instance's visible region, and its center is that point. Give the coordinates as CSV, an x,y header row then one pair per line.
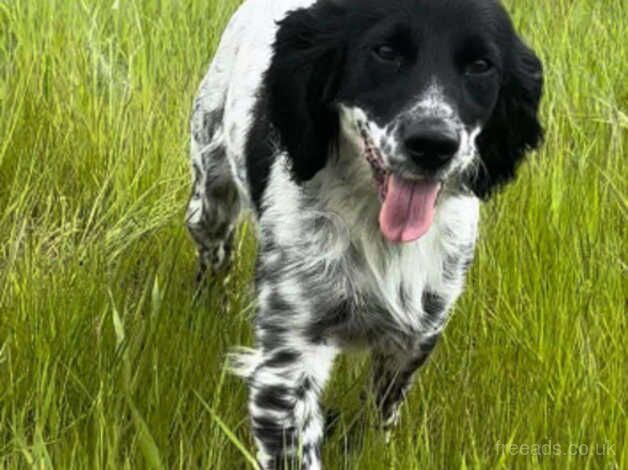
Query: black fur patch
x,y
333,318
273,435
271,334
433,304
302,82
260,151
514,127
275,397
277,305
283,357
305,387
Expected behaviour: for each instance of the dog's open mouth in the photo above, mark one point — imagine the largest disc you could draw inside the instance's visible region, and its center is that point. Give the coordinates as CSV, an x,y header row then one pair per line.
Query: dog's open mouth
x,y
408,205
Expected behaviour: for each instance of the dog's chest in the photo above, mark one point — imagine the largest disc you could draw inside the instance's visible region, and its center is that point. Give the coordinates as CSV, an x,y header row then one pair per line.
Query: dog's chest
x,y
392,285
333,233
399,277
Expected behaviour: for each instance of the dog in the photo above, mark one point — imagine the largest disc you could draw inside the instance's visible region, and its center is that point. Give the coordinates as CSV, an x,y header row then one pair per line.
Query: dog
x,y
362,135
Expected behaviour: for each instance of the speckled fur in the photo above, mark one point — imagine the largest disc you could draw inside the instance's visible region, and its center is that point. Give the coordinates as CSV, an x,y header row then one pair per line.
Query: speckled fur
x,y
326,279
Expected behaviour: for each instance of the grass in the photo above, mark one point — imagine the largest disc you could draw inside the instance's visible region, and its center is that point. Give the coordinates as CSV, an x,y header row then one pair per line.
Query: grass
x,y
105,360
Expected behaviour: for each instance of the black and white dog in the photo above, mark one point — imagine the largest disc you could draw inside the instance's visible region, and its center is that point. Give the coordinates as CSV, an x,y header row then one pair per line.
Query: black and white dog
x,y
362,134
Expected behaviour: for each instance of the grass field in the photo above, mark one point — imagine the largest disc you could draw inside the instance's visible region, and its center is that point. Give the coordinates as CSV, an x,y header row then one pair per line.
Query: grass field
x,y
105,360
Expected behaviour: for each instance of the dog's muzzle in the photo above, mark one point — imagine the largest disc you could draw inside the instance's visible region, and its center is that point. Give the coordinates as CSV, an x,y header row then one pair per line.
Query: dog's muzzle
x,y
408,205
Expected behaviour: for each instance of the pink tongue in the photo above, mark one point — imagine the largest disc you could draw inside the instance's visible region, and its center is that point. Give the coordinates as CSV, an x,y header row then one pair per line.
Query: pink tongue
x,y
408,210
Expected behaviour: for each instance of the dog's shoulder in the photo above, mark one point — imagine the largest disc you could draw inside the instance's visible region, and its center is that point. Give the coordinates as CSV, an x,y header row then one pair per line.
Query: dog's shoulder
x,y
241,59
229,95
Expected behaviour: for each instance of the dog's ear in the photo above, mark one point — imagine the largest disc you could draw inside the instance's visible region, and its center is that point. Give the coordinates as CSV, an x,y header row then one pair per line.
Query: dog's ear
x,y
514,127
301,84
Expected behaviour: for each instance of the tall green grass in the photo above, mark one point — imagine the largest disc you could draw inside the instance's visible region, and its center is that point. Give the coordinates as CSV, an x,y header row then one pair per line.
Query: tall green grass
x,y
107,362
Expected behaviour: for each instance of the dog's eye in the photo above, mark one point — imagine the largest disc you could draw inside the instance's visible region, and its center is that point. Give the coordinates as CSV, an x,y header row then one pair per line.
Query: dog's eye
x,y
478,67
386,53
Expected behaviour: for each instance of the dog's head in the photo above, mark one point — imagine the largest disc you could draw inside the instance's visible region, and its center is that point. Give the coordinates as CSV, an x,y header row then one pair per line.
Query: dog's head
x,y
434,94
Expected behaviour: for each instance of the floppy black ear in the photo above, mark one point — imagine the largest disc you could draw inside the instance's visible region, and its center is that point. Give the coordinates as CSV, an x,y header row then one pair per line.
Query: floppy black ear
x,y
302,82
514,128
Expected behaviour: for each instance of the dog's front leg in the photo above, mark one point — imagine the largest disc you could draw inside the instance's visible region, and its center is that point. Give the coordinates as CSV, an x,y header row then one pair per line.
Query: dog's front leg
x,y
284,404
393,374
292,369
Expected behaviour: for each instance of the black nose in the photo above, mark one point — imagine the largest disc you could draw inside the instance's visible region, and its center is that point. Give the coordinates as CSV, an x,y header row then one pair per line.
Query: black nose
x,y
431,144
